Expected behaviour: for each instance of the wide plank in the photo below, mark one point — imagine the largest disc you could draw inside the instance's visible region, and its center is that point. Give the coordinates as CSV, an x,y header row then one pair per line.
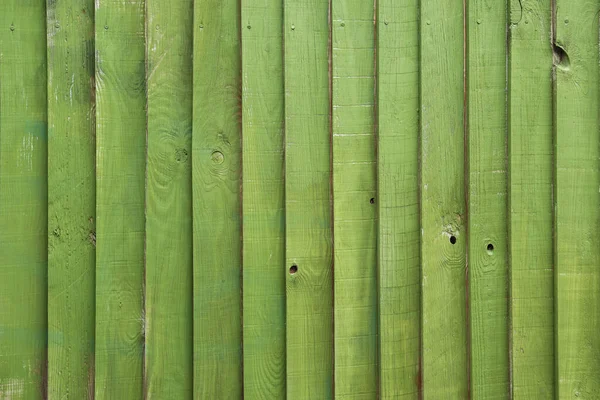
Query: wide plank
x,y
354,199
71,198
120,197
577,198
443,202
309,241
216,187
531,175
263,200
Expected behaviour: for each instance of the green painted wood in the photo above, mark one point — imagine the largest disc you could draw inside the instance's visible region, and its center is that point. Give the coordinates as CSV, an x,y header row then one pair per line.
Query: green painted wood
x,y
530,160
577,197
263,200
23,198
71,199
487,187
398,199
443,211
168,308
354,194
120,197
309,241
217,201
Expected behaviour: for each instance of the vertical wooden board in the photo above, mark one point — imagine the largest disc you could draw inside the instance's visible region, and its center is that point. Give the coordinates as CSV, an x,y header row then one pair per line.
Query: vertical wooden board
x,y
443,211
216,148
309,242
577,198
168,308
120,185
71,199
23,197
398,198
354,190
263,200
530,158
487,177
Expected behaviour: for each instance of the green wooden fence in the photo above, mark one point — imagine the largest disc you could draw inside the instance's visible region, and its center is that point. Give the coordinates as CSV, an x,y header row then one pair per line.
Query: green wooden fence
x,y
301,199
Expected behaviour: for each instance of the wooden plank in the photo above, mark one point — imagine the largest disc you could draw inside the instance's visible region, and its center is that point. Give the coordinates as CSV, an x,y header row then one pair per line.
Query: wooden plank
x,y
23,198
531,216
309,247
487,186
71,199
263,201
398,198
354,192
168,328
443,211
217,204
577,197
120,209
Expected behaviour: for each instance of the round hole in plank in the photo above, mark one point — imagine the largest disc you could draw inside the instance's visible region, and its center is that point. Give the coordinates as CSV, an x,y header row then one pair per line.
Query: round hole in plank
x,y
293,269
372,201
453,239
490,247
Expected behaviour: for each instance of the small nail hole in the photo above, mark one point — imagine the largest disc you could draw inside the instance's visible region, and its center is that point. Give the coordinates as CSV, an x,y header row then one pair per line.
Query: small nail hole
x,y
293,269
453,239
490,247
372,201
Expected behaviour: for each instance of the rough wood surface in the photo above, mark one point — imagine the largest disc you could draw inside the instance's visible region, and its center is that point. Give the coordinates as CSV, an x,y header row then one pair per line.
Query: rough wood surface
x,y
216,144
168,307
309,247
487,192
120,197
443,208
354,199
398,198
23,199
71,199
577,197
530,160
263,205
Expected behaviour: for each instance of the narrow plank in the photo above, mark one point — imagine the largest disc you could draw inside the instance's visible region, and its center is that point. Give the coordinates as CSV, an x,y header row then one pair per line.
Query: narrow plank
x,y
168,312
120,186
354,192
23,197
531,216
443,211
577,198
71,199
487,177
309,242
263,200
398,198
216,172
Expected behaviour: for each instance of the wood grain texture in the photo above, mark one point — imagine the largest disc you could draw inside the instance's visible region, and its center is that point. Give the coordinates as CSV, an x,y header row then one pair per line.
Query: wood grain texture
x,y
443,211
263,200
23,198
398,198
354,199
120,197
217,204
530,160
487,177
577,197
168,312
309,242
71,199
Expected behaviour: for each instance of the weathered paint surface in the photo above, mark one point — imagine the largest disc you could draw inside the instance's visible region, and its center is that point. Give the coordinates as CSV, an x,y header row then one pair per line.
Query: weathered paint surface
x,y
302,199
